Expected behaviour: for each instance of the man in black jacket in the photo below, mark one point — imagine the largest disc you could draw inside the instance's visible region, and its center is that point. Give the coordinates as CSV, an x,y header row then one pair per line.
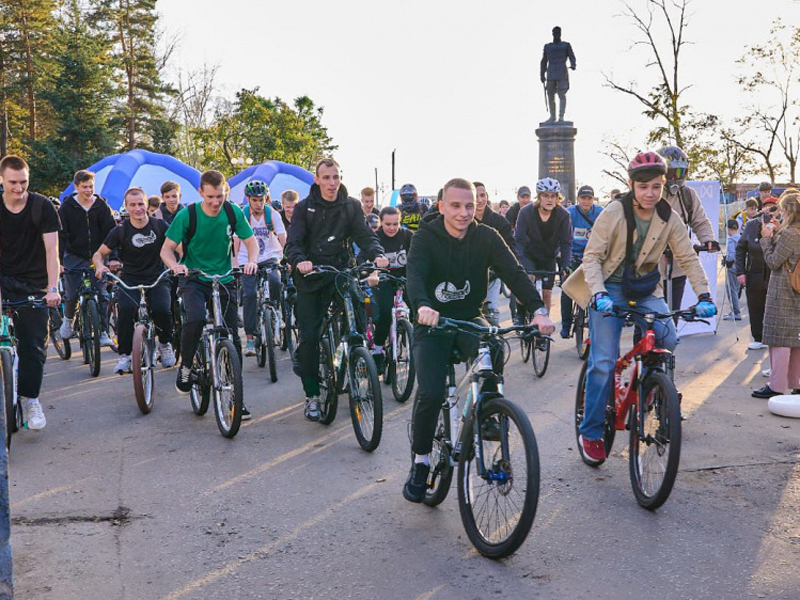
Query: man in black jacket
x,y
86,220
447,275
324,225
523,199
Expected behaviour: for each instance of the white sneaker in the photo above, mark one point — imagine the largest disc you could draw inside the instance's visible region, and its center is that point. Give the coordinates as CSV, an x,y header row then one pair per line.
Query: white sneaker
x,y
756,346
66,329
105,341
766,372
167,355
32,415
123,364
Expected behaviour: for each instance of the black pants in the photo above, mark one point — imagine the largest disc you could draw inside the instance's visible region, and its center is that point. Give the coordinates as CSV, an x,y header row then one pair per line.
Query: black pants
x,y
196,296
382,304
31,331
756,288
310,311
159,304
431,353
566,301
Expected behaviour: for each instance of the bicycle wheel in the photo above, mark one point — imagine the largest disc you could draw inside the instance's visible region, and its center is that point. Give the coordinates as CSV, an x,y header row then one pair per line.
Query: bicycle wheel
x,y
579,330
261,349
113,318
143,370
177,331
441,473
200,393
62,346
80,328
401,367
525,349
268,343
228,397
366,403
498,507
541,355
655,447
91,330
328,397
608,425
7,390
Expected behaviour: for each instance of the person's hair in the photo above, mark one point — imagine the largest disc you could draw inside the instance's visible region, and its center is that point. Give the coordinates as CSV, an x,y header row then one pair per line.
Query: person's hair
x,y
214,179
504,203
13,162
478,184
326,162
389,210
790,203
168,186
82,176
733,224
290,196
367,191
459,184
154,201
751,203
134,191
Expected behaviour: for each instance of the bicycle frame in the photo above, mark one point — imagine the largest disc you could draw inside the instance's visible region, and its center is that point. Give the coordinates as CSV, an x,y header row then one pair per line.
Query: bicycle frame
x,y
399,311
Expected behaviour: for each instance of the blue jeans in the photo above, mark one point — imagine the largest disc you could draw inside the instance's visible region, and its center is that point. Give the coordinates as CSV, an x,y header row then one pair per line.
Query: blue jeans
x,y
733,291
604,350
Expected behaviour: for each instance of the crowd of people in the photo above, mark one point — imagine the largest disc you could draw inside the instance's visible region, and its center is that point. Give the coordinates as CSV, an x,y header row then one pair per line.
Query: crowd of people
x,y
456,255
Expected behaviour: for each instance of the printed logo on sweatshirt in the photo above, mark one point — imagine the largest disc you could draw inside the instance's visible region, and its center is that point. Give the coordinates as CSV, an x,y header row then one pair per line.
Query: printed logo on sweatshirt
x,y
140,241
447,292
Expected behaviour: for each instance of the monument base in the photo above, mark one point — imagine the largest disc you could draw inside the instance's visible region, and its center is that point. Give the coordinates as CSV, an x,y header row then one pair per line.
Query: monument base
x,y
557,155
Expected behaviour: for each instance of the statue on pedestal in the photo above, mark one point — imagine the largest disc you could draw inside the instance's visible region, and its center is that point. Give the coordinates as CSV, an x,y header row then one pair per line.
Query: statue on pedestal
x,y
554,75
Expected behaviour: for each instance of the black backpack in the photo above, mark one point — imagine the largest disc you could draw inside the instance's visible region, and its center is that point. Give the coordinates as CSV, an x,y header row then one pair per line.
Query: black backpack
x,y
192,208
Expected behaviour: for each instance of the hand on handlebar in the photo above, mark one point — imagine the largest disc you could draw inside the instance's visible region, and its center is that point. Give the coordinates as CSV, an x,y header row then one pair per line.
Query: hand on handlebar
x,y
602,302
428,316
100,271
544,324
305,267
382,262
179,269
250,268
52,298
705,308
373,279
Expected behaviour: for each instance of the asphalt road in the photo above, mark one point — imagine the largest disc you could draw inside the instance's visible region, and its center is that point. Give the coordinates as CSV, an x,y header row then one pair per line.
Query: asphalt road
x,y
108,503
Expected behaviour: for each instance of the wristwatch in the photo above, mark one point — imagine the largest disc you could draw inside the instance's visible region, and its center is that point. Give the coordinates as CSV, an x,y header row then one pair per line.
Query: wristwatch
x,y
541,312
53,290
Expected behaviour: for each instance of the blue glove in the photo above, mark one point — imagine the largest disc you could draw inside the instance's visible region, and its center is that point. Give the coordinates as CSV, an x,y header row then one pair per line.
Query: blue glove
x,y
603,302
705,308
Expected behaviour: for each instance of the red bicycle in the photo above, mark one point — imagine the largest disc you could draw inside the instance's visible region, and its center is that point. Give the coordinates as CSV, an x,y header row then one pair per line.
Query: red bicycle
x,y
646,402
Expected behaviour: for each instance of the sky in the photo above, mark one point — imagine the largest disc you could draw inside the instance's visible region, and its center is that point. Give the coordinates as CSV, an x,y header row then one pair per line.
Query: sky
x,y
453,85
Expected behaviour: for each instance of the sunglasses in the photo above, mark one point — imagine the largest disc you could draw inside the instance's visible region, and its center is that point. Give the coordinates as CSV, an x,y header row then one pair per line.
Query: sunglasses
x,y
772,208
679,173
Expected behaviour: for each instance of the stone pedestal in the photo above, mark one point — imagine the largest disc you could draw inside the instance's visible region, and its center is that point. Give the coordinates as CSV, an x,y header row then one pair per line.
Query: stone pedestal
x,y
557,155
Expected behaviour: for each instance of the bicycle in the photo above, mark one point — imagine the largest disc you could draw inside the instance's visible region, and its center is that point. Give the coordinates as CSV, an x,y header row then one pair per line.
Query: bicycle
x,y
350,366
493,442
399,362
216,366
62,346
540,347
646,402
112,318
269,321
580,331
290,336
87,320
144,355
9,362
177,323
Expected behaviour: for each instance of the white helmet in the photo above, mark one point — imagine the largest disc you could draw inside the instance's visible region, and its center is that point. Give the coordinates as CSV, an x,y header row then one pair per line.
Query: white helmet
x,y
548,184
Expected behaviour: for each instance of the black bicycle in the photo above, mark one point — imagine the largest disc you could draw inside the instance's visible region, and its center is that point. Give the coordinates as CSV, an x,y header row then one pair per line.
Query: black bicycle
x,y
539,347
87,320
269,321
62,346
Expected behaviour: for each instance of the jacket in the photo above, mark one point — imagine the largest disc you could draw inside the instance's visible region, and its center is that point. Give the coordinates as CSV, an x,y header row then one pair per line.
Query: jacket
x,y
749,255
531,245
608,245
499,224
782,309
450,274
700,225
323,232
83,231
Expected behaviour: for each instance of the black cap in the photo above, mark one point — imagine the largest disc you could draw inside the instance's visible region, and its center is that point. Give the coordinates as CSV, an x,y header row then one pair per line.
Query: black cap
x,y
586,190
524,191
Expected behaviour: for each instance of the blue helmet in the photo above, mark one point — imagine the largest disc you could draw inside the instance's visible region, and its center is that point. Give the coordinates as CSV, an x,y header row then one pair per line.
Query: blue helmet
x,y
408,195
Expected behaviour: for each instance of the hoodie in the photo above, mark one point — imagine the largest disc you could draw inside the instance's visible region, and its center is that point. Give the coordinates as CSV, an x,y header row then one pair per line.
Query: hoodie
x,y
83,231
451,275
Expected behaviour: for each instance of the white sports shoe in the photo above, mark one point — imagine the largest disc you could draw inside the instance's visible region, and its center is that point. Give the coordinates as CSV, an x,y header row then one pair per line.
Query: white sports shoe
x,y
66,329
105,341
32,414
123,364
167,355
756,346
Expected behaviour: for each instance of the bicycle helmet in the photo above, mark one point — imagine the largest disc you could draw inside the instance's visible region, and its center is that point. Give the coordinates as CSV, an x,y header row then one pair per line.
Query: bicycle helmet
x,y
677,166
256,188
645,166
548,185
123,213
276,204
408,195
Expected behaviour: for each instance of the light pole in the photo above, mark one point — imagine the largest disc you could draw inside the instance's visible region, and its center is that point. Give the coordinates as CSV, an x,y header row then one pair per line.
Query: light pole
x,y
3,109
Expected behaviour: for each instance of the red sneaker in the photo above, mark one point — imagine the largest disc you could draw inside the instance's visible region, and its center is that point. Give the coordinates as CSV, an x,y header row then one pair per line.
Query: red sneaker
x,y
594,449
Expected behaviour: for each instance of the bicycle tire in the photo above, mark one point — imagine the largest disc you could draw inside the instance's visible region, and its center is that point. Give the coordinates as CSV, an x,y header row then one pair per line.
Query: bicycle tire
x,y
329,398
80,327
261,349
578,328
403,385
441,473
177,332
62,346
288,336
200,394
541,356
92,329
228,410
519,493
144,382
268,342
366,401
7,390
652,477
112,312
608,425
525,349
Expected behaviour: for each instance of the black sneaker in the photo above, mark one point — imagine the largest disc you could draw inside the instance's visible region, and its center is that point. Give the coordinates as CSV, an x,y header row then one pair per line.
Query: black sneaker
x,y
183,383
245,413
765,392
378,358
312,411
417,482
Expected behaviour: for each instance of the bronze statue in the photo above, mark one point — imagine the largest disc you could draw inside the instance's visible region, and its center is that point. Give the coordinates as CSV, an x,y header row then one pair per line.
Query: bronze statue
x,y
554,75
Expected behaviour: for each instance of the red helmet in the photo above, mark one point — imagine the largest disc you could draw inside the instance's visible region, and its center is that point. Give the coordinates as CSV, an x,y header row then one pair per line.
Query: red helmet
x,y
645,166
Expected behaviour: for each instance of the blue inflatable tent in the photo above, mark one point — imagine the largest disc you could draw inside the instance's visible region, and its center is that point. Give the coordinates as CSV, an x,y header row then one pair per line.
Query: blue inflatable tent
x,y
140,168
279,176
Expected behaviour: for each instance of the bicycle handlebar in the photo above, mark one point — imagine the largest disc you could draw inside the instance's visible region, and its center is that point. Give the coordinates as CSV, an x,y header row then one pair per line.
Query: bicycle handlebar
x,y
137,287
490,331
715,247
234,271
31,302
687,314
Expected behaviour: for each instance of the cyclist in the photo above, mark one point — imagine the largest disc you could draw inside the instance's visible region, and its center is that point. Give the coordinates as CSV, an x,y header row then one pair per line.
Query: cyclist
x,y
396,242
270,236
170,201
29,228
543,231
368,202
447,272
322,228
137,242
615,271
523,200
686,203
411,209
86,221
213,221
288,201
582,217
